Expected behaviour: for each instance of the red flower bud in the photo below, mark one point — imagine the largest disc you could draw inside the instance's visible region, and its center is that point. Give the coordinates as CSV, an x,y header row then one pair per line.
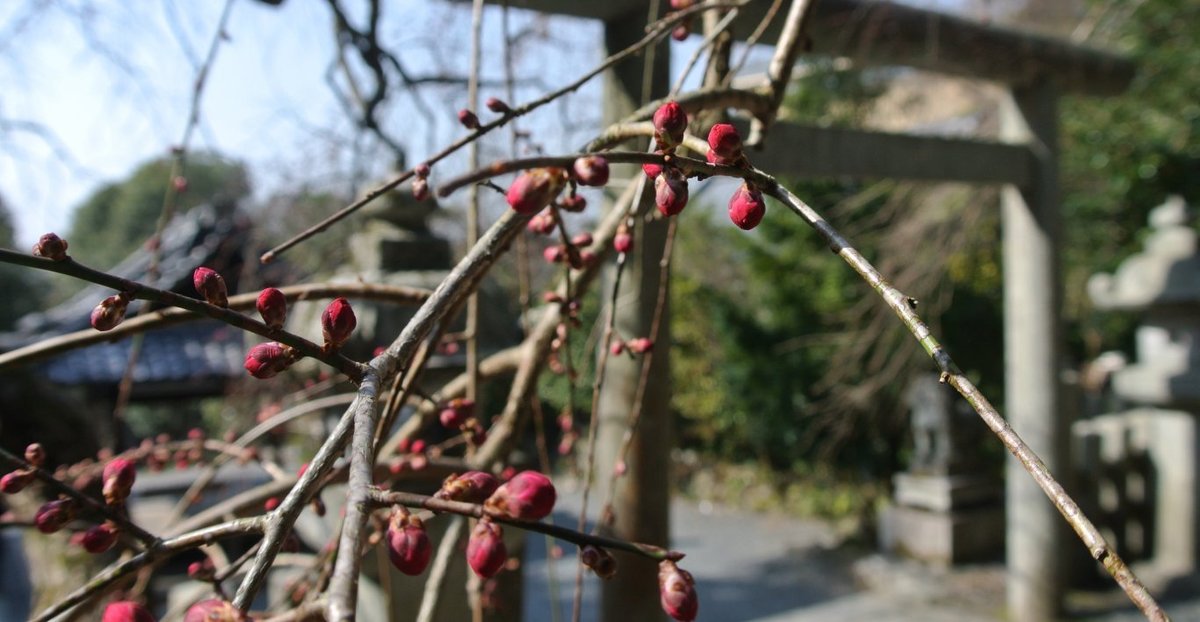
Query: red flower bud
x,y
271,504
670,191
746,207
534,189
640,345
337,322
529,495
100,538
267,359
50,246
616,347
468,119
456,412
623,241
497,105
210,285
272,306
582,239
407,543
486,553
725,142
591,170
599,560
126,611
681,32
420,189
213,610
677,592
422,170
470,487
35,454
118,477
670,122
109,312
179,184
15,482
542,224
653,169
574,203
682,4
203,570
54,515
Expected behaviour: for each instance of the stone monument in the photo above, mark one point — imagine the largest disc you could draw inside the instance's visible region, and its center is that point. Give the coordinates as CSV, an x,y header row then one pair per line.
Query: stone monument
x,y
947,508
1139,462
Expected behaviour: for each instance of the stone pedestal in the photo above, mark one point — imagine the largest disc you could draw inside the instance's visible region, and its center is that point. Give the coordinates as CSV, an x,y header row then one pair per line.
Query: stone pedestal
x,y
943,538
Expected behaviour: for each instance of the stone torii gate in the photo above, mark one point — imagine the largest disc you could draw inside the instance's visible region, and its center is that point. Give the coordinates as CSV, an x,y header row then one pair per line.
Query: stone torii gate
x,y
1035,71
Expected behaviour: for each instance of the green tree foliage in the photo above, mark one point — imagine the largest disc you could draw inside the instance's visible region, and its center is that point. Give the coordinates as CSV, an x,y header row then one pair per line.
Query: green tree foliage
x,y
121,216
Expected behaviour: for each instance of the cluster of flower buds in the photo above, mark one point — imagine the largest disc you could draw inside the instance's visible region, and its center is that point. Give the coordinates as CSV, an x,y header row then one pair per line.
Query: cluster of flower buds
x,y
126,611
407,543
51,247
536,188
746,206
213,610
272,306
677,592
17,480
470,487
211,286
337,322
420,184
456,412
110,311
670,184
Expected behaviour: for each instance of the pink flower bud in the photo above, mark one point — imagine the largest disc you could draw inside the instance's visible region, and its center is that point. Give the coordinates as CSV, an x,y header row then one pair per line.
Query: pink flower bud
x,y
50,246
272,306
456,412
210,285
486,553
670,192
616,347
337,322
35,454
582,239
470,487
640,345
623,241
422,170
529,495
118,477
100,538
534,189
420,189
15,482
591,170
213,610
670,122
677,592
682,4
203,570
542,224
746,207
54,515
271,504
267,359
653,169
126,611
109,312
497,105
553,254
599,560
179,184
574,203
725,142
681,32
468,119
407,543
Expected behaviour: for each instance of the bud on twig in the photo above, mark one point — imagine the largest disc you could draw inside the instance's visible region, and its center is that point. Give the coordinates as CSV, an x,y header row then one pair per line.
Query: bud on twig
x,y
725,146
408,543
677,592
497,105
15,482
670,191
54,515
110,312
99,538
420,189
486,552
35,455
50,246
670,123
591,170
470,487
267,359
337,322
126,611
118,478
529,495
272,306
213,610
211,286
746,207
468,119
534,189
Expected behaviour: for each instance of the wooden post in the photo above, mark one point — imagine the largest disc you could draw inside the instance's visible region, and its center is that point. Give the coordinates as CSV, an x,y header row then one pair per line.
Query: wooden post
x,y
1032,346
641,504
